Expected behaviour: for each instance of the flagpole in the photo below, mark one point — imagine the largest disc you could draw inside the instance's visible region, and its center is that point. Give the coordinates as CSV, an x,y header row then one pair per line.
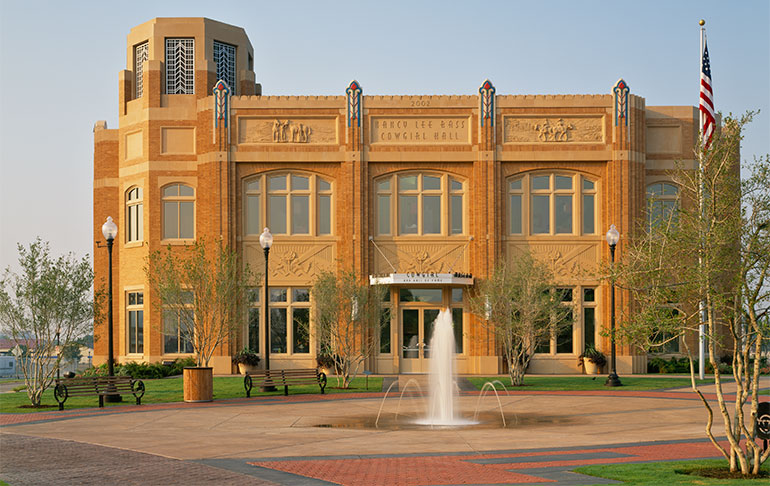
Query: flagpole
x,y
701,304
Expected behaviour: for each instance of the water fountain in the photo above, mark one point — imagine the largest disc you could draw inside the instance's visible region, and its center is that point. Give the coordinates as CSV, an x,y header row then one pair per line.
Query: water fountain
x,y
440,409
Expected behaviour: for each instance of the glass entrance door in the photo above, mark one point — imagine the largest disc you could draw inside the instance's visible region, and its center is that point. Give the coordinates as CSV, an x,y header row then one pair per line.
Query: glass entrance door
x,y
416,331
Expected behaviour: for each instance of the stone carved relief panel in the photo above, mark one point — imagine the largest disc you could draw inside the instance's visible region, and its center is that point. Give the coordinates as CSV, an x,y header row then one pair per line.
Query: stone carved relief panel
x,y
554,129
285,130
289,262
420,258
569,262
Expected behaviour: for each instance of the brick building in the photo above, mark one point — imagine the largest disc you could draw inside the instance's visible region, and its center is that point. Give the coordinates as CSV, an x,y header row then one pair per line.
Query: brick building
x,y
424,193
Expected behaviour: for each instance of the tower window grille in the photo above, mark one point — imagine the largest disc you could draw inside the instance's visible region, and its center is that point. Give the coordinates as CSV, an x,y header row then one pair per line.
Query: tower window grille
x,y
141,54
224,58
180,66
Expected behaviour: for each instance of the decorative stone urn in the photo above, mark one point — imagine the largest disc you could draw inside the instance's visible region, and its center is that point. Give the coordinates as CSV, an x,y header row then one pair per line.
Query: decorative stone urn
x,y
590,367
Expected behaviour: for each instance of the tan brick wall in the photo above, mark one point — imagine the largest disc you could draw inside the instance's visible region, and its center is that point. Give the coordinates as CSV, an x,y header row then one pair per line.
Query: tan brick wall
x,y
218,167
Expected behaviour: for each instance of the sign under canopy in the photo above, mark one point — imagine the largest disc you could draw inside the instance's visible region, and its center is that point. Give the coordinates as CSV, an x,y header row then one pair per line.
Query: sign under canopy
x,y
422,278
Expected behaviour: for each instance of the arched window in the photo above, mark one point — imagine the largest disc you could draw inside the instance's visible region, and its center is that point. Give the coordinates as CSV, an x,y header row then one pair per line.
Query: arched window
x,y
662,200
178,211
424,204
551,204
288,203
134,215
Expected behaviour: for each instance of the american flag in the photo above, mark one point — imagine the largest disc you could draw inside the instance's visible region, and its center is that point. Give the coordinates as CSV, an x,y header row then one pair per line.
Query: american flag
x,y
706,98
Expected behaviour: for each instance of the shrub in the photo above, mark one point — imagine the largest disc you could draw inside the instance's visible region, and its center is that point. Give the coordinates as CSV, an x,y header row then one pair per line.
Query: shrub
x,y
143,370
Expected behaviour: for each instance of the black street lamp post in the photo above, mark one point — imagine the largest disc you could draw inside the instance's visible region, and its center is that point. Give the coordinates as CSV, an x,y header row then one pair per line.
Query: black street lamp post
x,y
612,239
110,231
266,241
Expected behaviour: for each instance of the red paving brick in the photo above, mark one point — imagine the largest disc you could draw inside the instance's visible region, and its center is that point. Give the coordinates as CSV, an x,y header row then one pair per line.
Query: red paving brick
x,y
455,469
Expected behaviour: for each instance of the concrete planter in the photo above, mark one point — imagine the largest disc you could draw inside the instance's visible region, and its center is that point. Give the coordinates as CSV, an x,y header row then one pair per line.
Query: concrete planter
x,y
198,384
590,367
246,368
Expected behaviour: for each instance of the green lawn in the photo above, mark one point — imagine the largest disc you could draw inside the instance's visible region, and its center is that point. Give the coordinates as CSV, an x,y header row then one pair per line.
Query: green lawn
x,y
668,473
585,382
170,390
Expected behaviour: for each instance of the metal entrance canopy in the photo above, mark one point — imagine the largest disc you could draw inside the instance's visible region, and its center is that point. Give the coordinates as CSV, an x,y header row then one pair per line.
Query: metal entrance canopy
x,y
422,278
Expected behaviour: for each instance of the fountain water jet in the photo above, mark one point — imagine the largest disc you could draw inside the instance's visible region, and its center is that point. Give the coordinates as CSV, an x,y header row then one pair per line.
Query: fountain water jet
x,y
442,400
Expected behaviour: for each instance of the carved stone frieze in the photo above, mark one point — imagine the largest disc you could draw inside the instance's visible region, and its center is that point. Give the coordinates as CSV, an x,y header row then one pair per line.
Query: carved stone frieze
x,y
420,258
279,130
521,129
569,262
292,261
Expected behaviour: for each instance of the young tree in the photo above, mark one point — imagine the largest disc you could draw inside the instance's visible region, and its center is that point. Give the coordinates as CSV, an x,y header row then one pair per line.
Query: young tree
x,y
203,291
49,297
710,257
347,316
520,304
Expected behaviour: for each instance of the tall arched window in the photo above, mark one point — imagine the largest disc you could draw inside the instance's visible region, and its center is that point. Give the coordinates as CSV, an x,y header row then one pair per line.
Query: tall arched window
x,y
178,211
423,204
288,203
134,215
551,204
662,200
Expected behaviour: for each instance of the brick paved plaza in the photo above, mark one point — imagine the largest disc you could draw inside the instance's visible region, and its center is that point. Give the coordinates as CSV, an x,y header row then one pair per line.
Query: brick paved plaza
x,y
278,440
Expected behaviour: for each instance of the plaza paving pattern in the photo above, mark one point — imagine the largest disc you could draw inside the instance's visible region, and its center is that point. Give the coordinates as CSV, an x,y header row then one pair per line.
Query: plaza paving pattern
x,y
278,440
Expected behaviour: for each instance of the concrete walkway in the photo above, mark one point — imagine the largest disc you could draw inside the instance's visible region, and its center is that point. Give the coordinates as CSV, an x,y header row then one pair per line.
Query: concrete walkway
x,y
329,439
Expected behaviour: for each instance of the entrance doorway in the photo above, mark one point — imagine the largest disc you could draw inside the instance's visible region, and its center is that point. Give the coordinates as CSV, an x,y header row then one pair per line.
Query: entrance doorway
x,y
416,331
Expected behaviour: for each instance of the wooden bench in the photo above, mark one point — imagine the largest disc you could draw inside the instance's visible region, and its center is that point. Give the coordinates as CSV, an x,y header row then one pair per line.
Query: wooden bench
x,y
100,386
284,378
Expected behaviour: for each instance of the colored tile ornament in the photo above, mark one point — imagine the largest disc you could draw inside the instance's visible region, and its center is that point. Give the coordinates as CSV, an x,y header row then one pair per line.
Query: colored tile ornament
x,y
487,92
354,92
221,102
621,101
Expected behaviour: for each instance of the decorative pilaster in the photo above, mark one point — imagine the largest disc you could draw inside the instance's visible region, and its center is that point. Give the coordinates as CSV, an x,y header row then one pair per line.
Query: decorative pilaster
x,y
487,115
221,111
621,91
354,112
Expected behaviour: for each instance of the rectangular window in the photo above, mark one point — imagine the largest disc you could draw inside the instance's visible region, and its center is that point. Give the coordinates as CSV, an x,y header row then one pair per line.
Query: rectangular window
x,y
180,66
135,322
224,58
300,215
277,217
278,330
135,214
431,215
431,296
383,215
170,220
186,219
301,330
563,214
174,339
588,214
324,215
253,337
541,214
385,331
457,324
407,216
252,215
141,54
515,214
457,215
589,326
564,339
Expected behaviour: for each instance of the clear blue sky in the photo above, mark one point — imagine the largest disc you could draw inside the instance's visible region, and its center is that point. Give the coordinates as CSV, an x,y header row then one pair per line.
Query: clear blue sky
x,y
59,64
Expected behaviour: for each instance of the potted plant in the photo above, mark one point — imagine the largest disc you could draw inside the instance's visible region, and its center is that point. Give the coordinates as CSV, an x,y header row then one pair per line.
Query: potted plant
x,y
592,359
247,360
